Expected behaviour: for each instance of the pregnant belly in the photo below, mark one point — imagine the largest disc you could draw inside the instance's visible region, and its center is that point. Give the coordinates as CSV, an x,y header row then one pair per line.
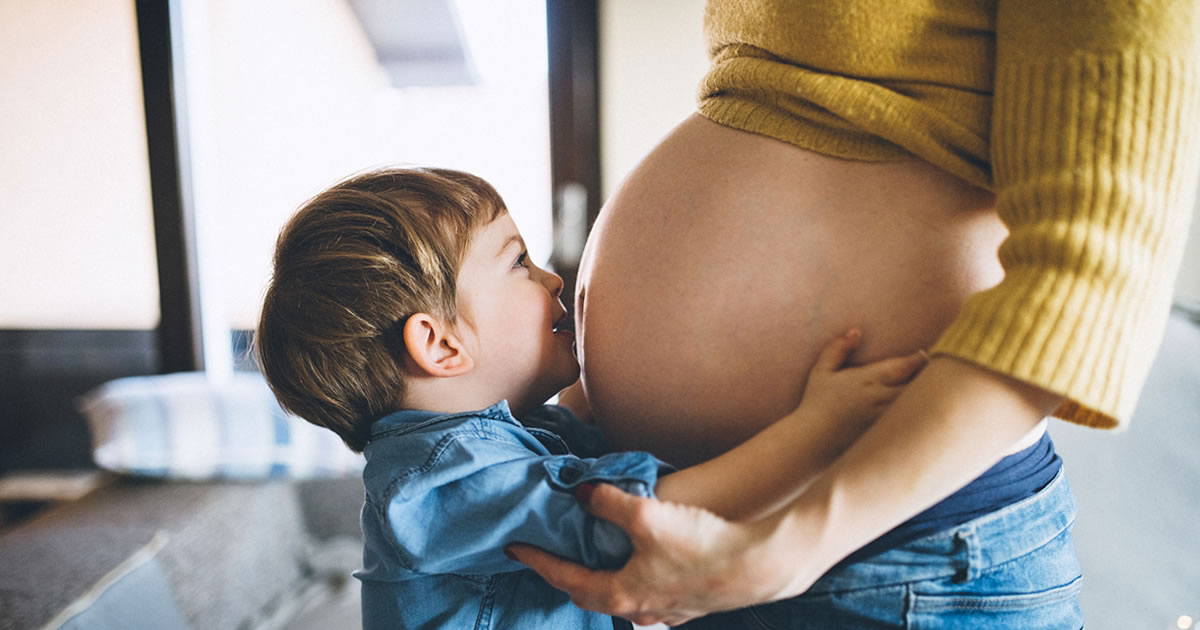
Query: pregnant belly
x,y
726,260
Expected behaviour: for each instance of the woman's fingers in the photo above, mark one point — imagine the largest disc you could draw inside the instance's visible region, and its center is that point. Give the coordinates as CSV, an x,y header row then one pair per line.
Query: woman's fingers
x,y
610,503
601,591
587,587
671,576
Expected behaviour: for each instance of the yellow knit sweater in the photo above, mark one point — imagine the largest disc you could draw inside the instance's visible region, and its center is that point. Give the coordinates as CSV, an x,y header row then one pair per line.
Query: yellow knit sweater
x,y
1082,115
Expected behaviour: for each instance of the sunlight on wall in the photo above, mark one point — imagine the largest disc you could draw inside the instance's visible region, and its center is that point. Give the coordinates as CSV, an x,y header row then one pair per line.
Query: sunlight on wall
x,y
77,243
652,57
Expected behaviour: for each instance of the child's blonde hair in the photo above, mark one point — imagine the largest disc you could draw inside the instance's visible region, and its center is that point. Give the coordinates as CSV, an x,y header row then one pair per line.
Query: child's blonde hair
x,y
349,269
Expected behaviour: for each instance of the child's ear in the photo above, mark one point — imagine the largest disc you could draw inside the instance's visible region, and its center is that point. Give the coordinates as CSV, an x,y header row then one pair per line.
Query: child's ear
x,y
434,347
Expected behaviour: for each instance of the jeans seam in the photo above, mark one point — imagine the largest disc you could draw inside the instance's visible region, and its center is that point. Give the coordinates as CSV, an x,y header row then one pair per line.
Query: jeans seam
x,y
999,566
1051,596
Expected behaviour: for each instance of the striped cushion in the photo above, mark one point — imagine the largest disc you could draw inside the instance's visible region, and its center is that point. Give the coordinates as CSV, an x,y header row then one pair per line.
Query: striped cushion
x,y
188,426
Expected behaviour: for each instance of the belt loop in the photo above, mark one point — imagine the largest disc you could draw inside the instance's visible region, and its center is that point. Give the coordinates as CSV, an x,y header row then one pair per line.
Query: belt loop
x,y
967,555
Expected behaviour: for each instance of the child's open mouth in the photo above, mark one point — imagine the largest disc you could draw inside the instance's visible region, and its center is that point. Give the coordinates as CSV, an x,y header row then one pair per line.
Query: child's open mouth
x,y
566,323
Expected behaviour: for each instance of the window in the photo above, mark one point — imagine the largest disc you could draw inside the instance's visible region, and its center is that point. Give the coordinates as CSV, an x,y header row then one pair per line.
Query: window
x,y
284,99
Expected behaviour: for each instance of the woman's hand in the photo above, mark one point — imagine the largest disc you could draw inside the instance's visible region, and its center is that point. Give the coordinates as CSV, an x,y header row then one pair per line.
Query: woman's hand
x,y
687,562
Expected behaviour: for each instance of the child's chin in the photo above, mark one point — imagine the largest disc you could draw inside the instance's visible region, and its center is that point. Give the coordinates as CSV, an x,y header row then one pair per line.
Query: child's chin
x,y
570,379
571,363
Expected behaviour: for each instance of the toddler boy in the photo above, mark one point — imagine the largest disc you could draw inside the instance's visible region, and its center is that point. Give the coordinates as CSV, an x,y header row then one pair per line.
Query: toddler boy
x,y
405,314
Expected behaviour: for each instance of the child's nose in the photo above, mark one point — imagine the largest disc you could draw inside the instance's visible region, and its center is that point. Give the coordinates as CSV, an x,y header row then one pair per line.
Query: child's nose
x,y
553,282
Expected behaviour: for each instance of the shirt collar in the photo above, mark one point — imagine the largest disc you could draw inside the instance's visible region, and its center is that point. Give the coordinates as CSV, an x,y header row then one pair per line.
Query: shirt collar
x,y
411,417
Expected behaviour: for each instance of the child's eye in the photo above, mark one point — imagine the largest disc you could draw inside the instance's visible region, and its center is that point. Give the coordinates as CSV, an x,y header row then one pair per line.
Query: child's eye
x,y
521,260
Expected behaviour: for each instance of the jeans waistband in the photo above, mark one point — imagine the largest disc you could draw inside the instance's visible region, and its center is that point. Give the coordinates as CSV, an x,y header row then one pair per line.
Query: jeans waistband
x,y
963,551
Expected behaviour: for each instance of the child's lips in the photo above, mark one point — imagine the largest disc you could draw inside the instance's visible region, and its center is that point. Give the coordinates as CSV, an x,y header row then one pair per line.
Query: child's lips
x,y
565,324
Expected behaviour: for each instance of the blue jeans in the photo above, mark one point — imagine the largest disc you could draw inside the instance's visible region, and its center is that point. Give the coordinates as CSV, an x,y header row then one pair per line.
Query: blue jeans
x,y
1012,568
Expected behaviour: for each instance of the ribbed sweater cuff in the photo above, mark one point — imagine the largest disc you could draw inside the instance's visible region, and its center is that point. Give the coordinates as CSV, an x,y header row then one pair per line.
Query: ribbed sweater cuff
x,y
1094,159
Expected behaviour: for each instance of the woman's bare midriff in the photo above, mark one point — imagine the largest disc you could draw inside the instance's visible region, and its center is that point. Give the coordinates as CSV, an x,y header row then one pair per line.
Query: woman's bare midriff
x,y
726,260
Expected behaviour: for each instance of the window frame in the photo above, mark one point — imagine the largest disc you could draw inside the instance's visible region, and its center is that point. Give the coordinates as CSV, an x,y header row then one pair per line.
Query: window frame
x,y
180,332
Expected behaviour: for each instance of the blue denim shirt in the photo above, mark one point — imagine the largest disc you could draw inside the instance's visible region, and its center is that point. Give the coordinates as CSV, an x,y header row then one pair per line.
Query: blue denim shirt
x,y
446,493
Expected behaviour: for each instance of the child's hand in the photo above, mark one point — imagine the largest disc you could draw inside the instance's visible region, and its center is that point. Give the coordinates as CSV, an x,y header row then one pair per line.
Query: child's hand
x,y
848,399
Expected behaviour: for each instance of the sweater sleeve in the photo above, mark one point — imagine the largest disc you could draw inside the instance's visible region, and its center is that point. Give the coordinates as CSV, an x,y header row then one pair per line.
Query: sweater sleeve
x,y
1095,122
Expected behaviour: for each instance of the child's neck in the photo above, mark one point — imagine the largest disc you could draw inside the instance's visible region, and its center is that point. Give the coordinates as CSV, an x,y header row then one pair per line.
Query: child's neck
x,y
451,395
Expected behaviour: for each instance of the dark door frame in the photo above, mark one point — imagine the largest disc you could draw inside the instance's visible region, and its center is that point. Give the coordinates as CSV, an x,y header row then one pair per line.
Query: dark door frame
x,y
180,337
572,39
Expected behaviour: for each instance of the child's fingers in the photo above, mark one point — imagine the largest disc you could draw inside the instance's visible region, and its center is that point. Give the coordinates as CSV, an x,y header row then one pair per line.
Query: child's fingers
x,y
885,395
898,370
833,356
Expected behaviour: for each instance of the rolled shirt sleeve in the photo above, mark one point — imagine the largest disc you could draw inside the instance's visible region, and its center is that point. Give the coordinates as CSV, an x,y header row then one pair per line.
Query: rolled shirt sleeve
x,y
478,494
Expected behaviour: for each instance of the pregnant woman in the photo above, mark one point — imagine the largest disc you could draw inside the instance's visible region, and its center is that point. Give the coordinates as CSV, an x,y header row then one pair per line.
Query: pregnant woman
x,y
1006,184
